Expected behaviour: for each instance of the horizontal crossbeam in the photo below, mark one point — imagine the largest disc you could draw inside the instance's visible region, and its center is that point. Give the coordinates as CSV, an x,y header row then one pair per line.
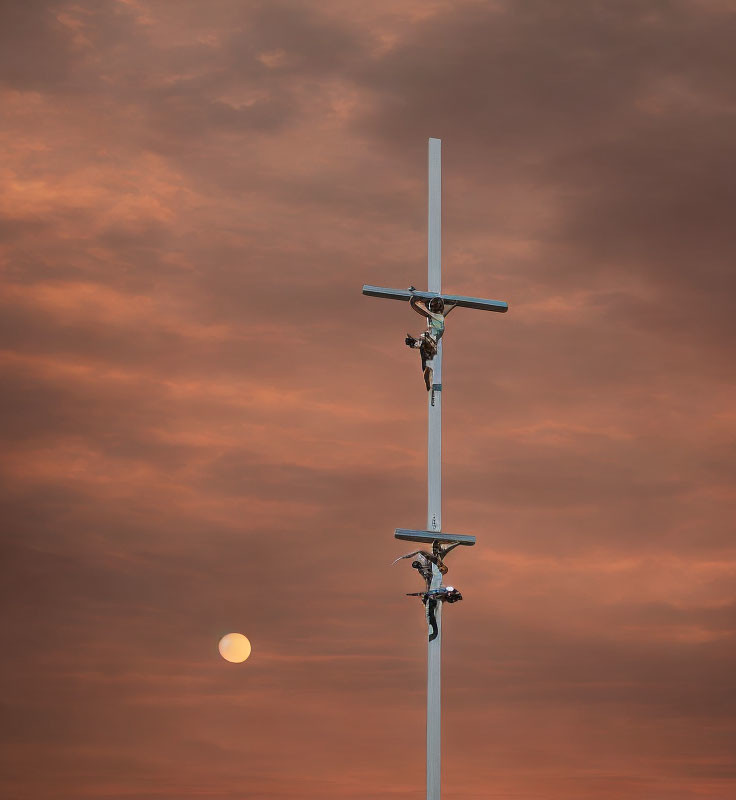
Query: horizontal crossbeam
x,y
433,536
454,299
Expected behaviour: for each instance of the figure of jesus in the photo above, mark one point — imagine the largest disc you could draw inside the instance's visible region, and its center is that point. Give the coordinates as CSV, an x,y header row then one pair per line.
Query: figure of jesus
x,y
427,342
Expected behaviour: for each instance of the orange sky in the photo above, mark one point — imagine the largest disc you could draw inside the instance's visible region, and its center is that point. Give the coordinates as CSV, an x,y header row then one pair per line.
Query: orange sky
x,y
207,428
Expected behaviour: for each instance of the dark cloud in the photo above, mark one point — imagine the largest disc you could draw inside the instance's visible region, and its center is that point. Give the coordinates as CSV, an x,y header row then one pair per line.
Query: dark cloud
x,y
620,116
52,56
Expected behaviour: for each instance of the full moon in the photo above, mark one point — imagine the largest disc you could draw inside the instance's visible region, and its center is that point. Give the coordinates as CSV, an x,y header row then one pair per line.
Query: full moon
x,y
234,647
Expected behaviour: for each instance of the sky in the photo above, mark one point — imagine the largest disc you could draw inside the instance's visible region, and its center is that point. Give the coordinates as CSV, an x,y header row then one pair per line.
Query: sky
x,y
207,428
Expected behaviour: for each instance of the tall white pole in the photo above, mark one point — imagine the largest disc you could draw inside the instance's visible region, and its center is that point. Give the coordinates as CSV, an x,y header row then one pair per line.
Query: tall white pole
x,y
433,533
434,470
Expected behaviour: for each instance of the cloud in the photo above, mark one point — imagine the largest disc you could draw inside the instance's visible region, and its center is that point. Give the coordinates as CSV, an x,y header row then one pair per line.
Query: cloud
x,y
207,428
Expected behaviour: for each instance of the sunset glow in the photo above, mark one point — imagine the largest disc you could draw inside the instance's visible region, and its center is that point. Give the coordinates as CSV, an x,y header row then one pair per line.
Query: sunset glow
x,y
206,426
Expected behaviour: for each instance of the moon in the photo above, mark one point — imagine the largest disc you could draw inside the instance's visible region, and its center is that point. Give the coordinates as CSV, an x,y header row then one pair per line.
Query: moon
x,y
234,647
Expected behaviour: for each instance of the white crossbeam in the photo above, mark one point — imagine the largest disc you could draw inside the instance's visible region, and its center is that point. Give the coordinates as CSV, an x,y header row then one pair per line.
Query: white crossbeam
x,y
453,299
410,535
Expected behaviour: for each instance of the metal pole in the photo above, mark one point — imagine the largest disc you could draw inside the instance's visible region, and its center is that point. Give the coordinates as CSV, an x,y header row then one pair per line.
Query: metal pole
x,y
434,470
433,534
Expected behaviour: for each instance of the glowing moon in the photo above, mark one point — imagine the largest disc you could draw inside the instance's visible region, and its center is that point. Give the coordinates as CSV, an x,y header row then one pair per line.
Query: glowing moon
x,y
234,647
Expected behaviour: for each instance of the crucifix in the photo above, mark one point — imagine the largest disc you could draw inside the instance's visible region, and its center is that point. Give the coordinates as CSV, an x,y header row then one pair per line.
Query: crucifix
x,y
430,563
